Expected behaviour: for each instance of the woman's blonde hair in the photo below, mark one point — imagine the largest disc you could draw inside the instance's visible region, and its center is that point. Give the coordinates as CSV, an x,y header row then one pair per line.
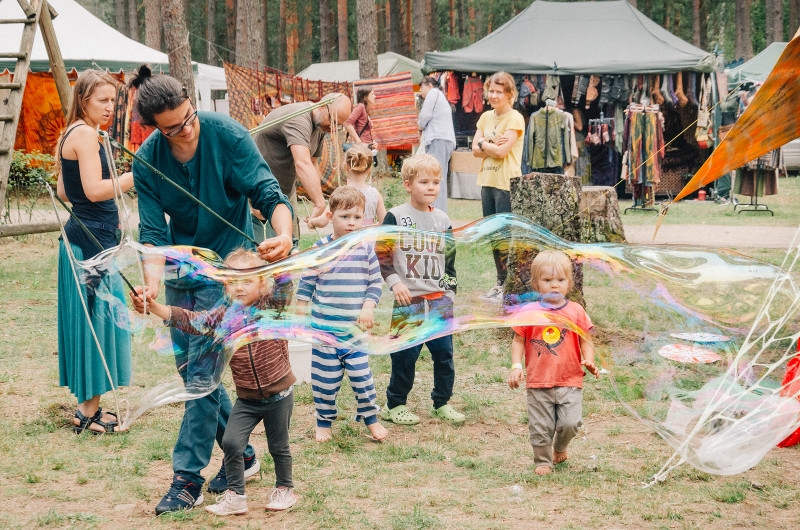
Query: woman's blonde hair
x,y
421,163
358,159
88,81
505,80
552,259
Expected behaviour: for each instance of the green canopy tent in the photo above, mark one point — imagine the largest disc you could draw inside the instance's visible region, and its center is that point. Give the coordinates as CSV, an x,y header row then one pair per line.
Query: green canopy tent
x,y
758,68
567,38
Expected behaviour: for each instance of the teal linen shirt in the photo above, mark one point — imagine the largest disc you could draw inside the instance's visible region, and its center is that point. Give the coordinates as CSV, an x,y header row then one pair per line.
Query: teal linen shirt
x,y
224,173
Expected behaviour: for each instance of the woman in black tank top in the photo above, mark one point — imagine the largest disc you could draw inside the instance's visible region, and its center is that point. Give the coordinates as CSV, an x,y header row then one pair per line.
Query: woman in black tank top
x,y
85,181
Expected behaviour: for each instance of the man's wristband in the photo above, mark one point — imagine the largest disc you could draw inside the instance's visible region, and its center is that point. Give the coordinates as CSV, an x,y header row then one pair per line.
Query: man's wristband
x,y
516,366
480,144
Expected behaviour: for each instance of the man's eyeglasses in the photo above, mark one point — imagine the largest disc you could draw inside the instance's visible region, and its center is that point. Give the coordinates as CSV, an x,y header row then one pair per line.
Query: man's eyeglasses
x,y
175,131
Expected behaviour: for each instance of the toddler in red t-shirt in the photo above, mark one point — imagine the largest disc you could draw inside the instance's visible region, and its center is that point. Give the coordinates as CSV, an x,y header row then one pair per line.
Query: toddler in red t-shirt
x,y
555,356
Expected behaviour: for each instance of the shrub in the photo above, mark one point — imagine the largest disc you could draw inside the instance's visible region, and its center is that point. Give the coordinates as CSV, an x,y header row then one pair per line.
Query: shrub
x,y
28,168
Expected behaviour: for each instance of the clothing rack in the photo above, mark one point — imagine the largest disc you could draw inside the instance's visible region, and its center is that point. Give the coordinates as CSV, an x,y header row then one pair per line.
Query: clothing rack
x,y
754,205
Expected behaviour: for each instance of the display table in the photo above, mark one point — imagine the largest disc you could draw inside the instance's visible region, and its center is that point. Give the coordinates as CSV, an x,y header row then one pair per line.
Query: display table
x,y
464,168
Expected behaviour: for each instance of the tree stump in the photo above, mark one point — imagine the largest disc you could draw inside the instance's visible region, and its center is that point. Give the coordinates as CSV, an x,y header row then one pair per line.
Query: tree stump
x,y
600,220
553,202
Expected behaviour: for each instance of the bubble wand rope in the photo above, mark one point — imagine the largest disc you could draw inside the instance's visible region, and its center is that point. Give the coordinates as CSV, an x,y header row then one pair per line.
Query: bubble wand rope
x,y
84,228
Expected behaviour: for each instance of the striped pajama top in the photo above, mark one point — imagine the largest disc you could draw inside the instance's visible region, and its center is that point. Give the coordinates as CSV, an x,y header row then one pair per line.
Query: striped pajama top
x,y
337,289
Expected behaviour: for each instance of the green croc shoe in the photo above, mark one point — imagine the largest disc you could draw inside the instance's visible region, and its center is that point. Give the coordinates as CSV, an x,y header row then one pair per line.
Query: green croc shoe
x,y
448,414
399,415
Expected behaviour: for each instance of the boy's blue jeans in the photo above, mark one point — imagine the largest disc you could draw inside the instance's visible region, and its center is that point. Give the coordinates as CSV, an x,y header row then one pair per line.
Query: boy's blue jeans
x,y
205,418
405,319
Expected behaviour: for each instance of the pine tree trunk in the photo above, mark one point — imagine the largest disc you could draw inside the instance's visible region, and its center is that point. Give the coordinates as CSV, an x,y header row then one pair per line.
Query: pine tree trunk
x,y
344,43
420,25
211,31
696,22
407,28
774,20
292,41
794,17
133,21
367,39
325,31
121,9
382,17
282,36
176,38
250,34
744,39
434,36
704,6
452,12
395,27
230,26
153,24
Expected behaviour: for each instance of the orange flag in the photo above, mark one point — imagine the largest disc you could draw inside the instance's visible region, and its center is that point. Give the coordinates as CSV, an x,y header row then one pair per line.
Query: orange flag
x,y
771,120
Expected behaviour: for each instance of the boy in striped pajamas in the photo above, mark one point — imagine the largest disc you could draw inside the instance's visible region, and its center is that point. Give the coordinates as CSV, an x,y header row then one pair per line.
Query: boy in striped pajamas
x,y
343,292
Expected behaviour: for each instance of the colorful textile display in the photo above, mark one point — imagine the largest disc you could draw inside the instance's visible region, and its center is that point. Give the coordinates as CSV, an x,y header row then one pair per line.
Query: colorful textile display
x,y
42,118
394,116
253,93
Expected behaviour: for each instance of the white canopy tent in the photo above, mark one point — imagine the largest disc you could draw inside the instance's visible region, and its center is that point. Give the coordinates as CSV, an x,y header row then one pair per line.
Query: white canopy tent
x,y
87,42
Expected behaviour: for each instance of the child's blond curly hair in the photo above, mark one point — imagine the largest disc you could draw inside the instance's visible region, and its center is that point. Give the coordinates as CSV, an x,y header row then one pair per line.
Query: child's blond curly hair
x,y
552,259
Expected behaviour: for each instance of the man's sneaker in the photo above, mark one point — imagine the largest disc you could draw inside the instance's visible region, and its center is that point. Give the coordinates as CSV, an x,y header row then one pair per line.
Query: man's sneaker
x,y
495,293
182,495
219,484
282,498
229,503
448,414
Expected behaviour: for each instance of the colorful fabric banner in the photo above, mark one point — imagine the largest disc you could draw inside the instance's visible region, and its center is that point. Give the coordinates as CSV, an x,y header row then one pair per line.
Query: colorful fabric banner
x,y
394,116
253,93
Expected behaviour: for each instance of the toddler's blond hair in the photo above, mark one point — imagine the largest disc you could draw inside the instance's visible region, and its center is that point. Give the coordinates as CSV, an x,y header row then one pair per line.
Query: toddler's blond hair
x,y
553,259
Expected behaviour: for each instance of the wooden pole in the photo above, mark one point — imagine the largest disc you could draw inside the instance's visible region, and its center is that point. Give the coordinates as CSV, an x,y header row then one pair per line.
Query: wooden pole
x,y
56,59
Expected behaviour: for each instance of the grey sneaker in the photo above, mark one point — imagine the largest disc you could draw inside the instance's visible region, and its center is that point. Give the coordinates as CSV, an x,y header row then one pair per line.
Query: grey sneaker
x,y
229,503
281,498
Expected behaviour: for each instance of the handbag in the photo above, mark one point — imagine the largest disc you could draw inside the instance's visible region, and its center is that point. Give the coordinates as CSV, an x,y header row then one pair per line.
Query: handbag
x,y
348,145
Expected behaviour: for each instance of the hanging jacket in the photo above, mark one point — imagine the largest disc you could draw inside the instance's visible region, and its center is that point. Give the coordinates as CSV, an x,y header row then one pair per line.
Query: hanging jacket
x,y
546,138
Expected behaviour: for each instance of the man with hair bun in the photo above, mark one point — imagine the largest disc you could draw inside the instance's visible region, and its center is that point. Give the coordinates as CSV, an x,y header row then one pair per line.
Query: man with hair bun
x,y
213,158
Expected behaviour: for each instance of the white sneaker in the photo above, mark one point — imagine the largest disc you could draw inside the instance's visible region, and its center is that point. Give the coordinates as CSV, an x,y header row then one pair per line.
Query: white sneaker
x,y
229,503
281,498
495,293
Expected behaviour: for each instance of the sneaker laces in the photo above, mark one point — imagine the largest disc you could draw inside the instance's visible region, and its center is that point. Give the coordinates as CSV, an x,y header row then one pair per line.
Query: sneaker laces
x,y
279,495
226,498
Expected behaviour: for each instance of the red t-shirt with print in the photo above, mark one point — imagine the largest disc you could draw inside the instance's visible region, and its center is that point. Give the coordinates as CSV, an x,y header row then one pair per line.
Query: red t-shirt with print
x,y
553,353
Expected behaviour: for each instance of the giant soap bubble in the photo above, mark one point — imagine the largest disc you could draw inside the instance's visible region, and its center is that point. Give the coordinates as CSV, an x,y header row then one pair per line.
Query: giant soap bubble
x,y
695,342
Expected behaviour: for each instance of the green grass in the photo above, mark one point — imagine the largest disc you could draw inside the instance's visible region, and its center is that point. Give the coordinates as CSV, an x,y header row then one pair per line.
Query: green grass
x,y
426,476
784,204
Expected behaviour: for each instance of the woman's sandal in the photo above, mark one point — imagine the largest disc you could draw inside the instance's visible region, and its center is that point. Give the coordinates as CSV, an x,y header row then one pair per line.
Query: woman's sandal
x,y
85,423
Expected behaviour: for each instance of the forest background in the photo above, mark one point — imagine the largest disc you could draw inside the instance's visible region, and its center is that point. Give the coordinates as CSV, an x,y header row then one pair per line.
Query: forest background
x,y
289,35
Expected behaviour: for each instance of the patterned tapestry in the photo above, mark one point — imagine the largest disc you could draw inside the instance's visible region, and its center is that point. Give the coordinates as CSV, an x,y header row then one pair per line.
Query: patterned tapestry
x,y
253,93
394,118
42,118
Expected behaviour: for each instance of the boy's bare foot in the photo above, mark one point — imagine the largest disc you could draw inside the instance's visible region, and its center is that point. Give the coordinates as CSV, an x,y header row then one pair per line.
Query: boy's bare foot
x,y
322,434
559,457
379,432
542,470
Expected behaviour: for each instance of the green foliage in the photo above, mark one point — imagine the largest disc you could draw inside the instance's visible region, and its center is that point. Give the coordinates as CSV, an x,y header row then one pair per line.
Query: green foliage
x,y
27,169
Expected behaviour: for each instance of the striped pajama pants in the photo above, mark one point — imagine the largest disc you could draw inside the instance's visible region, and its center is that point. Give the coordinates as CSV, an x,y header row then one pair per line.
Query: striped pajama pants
x,y
328,366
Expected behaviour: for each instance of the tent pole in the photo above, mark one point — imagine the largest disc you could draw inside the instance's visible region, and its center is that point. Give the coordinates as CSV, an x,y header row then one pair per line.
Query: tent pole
x,y
54,53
